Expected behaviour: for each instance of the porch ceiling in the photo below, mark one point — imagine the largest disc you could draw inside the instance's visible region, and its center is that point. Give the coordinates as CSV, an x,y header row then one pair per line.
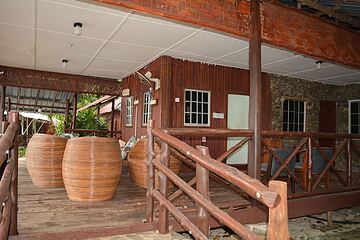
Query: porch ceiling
x,y
39,34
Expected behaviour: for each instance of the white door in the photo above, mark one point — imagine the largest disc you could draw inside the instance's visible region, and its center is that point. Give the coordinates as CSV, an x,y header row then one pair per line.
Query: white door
x,y
238,118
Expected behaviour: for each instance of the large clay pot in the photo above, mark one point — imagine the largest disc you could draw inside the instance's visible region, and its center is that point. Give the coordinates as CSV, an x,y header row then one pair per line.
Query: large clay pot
x,y
44,155
137,164
91,168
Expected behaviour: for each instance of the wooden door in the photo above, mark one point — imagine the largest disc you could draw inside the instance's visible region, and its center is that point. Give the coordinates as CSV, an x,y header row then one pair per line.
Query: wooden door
x,y
327,121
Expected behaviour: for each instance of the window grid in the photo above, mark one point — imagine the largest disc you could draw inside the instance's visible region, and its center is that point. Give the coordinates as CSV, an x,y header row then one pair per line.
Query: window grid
x,y
196,108
146,108
129,111
294,115
354,116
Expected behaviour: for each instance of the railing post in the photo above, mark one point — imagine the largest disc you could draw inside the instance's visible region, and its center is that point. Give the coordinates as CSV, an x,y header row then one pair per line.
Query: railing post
x,y
278,216
309,166
202,186
14,117
150,173
349,164
163,188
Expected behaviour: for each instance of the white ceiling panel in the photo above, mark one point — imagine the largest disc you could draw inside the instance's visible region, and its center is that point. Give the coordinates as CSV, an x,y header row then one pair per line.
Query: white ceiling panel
x,y
116,65
23,37
60,18
19,12
127,52
67,43
270,55
107,73
294,75
188,56
151,34
296,64
275,71
327,72
241,57
52,61
210,44
345,79
15,56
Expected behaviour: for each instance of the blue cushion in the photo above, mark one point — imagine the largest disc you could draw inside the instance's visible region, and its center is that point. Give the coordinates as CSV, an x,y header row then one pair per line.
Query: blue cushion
x,y
283,153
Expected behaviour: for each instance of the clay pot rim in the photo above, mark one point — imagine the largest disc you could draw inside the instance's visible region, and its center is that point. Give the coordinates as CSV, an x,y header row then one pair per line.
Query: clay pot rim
x,y
93,139
49,136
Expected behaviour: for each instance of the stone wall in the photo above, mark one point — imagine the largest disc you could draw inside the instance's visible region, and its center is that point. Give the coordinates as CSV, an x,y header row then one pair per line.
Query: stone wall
x,y
311,92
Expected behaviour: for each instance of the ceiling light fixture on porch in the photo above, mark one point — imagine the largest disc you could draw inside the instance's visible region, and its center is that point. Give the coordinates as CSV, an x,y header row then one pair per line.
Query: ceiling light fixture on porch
x,y
64,63
2,72
78,28
318,64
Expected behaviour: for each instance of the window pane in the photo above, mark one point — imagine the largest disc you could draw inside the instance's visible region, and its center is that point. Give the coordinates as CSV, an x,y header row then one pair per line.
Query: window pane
x,y
291,117
286,105
193,96
199,96
193,107
285,126
355,119
199,107
187,95
354,107
193,118
296,104
291,127
301,118
296,127
291,105
285,117
354,129
199,118
187,117
302,107
301,127
205,119
206,106
205,97
187,106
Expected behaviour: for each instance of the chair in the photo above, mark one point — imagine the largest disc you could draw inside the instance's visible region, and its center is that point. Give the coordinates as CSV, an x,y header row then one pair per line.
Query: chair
x,y
272,166
318,163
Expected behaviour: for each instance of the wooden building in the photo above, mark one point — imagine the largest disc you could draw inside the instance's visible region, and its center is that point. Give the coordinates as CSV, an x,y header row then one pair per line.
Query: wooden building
x,y
259,78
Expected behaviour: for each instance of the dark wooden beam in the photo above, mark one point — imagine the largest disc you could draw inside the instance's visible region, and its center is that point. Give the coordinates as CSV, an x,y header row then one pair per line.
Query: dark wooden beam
x,y
75,100
67,110
26,78
112,116
284,26
254,160
2,105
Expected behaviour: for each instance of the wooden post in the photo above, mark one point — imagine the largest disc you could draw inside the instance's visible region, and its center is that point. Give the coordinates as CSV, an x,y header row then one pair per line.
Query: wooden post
x,y
309,167
112,117
2,105
254,160
14,117
163,188
9,106
67,110
202,186
150,174
73,123
349,164
278,216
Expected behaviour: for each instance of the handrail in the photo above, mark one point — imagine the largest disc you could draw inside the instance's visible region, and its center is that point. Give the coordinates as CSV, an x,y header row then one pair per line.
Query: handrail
x,y
7,140
208,132
322,135
274,197
251,186
9,179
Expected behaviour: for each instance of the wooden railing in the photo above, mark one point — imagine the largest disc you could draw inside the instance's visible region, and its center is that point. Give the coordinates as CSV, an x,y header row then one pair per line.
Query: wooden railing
x,y
9,179
338,179
274,197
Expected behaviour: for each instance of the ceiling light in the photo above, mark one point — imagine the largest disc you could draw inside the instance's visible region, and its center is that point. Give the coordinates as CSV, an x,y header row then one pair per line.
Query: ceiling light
x,y
318,64
65,63
78,28
2,72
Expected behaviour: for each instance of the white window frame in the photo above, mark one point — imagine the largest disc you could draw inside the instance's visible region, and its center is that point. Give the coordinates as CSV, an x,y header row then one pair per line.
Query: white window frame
x,y
129,111
146,108
209,108
282,109
349,115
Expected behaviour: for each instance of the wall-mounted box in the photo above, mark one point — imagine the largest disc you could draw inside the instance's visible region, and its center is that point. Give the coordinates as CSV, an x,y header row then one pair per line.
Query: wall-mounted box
x,y
126,92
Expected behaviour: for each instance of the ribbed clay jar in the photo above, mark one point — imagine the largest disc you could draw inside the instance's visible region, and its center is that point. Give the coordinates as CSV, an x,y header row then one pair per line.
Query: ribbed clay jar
x,y
91,168
137,164
44,155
